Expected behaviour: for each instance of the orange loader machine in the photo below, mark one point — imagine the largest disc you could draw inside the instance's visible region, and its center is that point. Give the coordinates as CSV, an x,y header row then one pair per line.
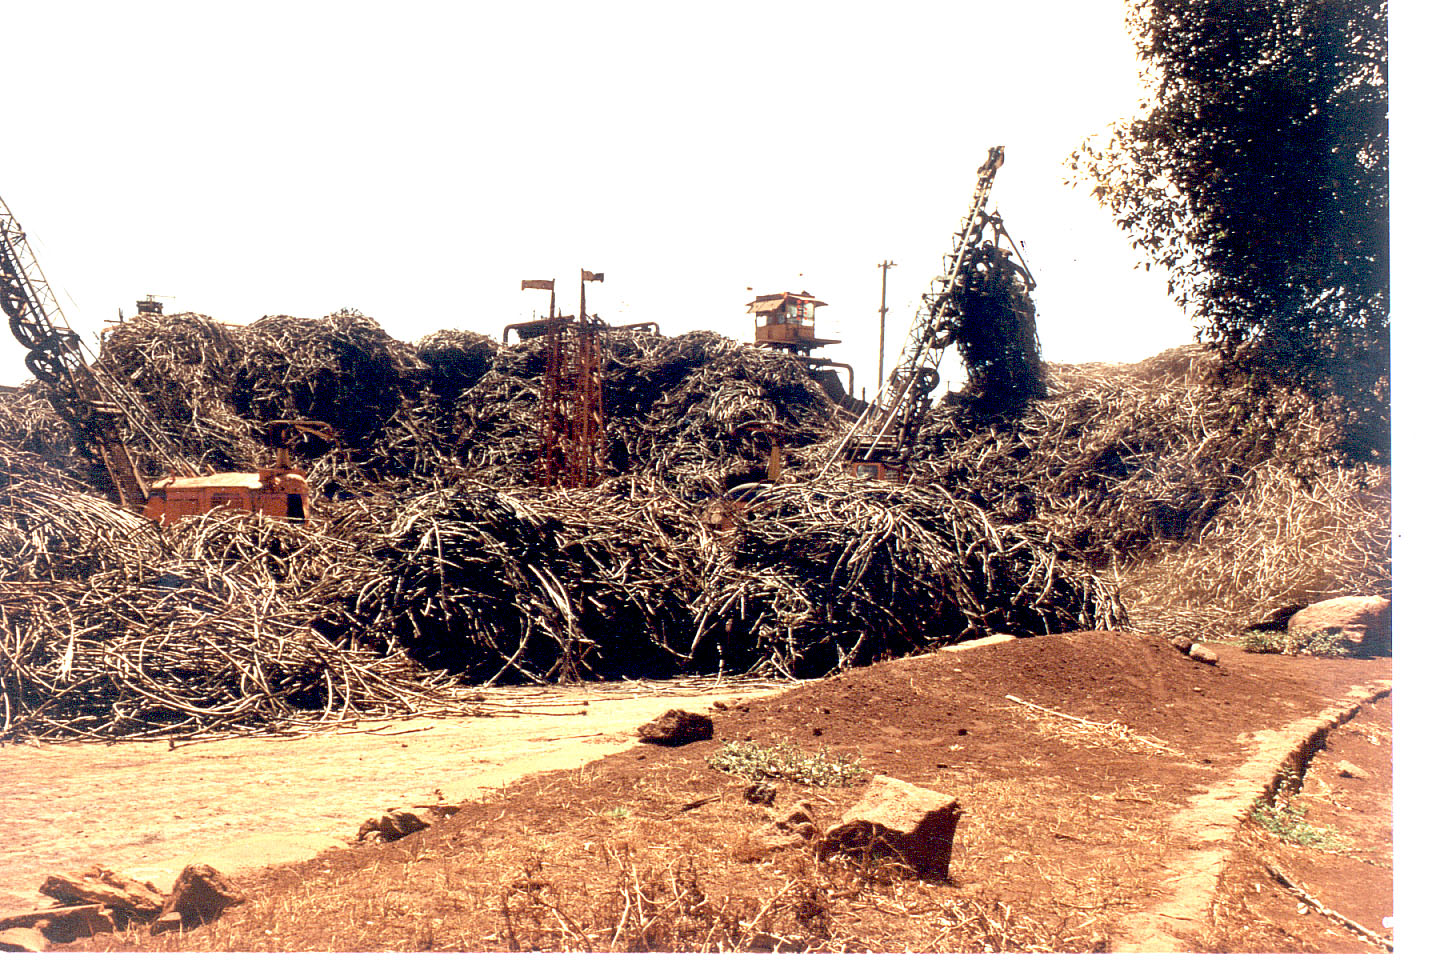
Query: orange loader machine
x,y
107,416
279,491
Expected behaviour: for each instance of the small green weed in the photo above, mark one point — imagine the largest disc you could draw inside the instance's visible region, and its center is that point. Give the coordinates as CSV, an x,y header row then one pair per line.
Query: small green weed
x,y
1267,641
1286,819
1326,644
785,761
1321,643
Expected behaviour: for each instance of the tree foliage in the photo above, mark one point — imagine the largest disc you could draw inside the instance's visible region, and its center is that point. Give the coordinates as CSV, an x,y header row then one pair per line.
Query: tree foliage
x,y
1257,175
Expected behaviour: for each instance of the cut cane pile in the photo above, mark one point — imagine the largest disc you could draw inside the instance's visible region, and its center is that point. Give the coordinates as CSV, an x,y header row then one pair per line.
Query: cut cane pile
x,y
436,564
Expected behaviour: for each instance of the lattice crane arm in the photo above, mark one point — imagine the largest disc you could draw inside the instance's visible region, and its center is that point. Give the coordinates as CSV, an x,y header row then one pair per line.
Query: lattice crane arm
x,y
894,420
97,406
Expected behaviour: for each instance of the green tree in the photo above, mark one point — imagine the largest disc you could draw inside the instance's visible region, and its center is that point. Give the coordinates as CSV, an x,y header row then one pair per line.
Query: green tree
x,y
1257,176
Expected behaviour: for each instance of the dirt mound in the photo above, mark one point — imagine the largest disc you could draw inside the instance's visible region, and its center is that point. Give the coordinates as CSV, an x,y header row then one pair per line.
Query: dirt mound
x,y
1106,677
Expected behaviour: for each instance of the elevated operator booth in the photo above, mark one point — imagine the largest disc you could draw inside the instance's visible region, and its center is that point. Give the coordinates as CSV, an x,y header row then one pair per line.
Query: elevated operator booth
x,y
786,321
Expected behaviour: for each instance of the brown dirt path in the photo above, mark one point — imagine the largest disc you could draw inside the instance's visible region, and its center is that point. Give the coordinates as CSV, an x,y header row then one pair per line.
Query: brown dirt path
x,y
1347,796
1182,912
148,809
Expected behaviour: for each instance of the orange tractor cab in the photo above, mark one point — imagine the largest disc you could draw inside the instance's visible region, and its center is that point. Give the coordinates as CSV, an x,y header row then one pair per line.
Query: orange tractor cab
x,y
280,492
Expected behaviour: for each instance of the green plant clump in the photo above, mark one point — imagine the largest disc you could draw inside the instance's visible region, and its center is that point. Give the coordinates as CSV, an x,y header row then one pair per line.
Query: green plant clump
x,y
1321,643
785,761
1286,819
1326,644
1265,641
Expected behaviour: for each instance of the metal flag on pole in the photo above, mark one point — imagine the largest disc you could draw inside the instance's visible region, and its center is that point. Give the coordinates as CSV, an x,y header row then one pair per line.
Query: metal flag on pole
x,y
542,285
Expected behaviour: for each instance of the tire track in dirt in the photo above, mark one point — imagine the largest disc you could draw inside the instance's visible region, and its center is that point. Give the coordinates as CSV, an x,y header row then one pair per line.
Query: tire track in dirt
x,y
1211,819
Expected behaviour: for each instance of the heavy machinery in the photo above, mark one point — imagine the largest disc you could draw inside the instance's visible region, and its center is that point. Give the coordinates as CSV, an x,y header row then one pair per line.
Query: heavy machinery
x,y
107,416
881,441
278,491
572,420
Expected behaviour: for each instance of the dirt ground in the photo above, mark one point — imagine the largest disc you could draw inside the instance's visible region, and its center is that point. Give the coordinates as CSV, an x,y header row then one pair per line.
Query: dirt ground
x,y
149,809
1348,790
1128,833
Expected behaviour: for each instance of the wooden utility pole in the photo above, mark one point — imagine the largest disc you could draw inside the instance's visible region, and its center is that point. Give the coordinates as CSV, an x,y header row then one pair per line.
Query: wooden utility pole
x,y
880,377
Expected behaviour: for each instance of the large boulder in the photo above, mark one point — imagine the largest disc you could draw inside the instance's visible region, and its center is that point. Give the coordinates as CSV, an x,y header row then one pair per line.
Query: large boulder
x,y
1361,621
898,820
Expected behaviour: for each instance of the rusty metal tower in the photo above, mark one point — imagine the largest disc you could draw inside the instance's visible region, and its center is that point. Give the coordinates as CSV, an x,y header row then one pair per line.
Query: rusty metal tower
x,y
572,410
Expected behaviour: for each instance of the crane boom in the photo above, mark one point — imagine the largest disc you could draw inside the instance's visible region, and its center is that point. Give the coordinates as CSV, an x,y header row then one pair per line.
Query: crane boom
x,y
889,426
98,408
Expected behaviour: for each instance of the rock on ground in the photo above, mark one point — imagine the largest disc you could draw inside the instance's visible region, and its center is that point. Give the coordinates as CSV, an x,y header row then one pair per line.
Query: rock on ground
x,y
201,894
1362,621
791,829
98,885
395,824
64,924
1204,654
675,728
760,792
901,820
22,940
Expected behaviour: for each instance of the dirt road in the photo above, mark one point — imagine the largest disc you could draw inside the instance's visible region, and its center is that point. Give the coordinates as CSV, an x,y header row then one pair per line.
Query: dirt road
x,y
148,809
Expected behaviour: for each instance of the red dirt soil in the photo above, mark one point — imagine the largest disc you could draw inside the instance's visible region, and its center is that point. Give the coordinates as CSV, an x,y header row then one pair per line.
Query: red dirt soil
x,y
1087,838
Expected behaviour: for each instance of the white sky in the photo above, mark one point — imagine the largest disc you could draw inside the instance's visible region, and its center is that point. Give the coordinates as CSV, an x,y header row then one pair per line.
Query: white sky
x,y
296,158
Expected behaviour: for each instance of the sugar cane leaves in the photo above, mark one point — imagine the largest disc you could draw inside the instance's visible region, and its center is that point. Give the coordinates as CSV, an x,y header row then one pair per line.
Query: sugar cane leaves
x,y
342,369
515,586
833,574
503,586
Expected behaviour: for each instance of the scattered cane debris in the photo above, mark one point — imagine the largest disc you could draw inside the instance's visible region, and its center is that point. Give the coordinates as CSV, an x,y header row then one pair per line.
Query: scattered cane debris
x,y
1090,733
